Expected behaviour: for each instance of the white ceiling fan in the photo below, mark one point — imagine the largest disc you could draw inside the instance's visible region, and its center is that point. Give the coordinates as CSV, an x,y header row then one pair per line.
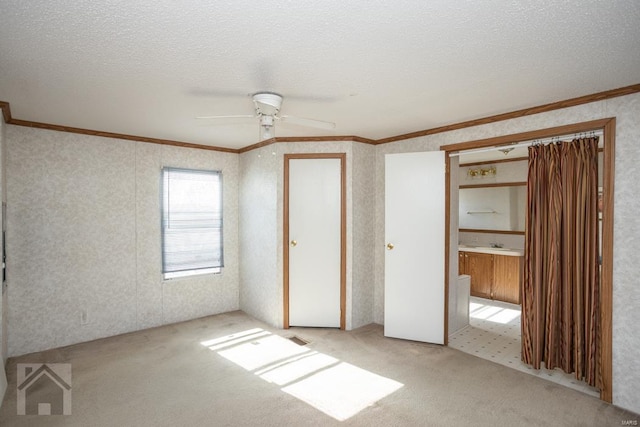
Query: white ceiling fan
x,y
267,109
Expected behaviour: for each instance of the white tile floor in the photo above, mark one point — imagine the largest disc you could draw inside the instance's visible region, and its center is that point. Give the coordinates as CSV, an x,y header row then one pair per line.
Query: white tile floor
x,y
494,334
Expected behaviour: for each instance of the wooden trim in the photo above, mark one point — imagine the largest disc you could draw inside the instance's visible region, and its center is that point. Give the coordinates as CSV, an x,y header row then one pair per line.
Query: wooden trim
x,y
339,138
491,162
343,231
494,184
477,230
343,241
285,245
606,286
70,129
314,155
606,296
447,230
6,111
257,145
572,102
336,138
527,136
627,90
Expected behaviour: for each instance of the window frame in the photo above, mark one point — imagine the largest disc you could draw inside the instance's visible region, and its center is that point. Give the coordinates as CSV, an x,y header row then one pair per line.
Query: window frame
x,y
164,181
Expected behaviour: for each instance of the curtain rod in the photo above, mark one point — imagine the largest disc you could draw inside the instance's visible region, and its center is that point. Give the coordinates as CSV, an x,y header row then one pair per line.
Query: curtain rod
x,y
547,140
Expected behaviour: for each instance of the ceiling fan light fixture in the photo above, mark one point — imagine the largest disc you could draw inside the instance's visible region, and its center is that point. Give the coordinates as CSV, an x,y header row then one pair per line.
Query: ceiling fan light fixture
x,y
267,130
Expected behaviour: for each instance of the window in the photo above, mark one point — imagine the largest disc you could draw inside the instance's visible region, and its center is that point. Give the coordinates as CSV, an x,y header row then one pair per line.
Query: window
x,y
191,222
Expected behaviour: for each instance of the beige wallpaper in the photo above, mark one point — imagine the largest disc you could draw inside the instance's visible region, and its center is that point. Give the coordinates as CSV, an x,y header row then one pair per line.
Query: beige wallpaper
x,y
84,233
3,295
84,236
261,290
626,292
363,239
262,229
626,304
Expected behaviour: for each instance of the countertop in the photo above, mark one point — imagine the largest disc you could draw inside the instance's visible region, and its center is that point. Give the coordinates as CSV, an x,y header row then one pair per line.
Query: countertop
x,y
490,250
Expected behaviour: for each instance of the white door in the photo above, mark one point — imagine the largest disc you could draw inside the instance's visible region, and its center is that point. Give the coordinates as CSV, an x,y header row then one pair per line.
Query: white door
x,y
314,241
414,232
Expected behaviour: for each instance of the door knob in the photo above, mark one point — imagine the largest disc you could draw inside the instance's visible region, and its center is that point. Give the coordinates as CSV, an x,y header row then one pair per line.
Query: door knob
x,y
293,243
390,246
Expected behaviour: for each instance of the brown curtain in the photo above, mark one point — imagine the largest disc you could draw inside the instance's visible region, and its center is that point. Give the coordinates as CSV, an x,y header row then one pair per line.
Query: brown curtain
x,y
560,296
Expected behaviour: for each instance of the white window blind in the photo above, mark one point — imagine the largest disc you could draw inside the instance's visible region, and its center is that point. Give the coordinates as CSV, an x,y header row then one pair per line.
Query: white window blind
x,y
191,221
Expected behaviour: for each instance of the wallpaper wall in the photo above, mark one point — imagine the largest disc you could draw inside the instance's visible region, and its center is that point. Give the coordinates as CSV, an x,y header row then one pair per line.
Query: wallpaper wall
x,y
261,231
84,236
626,292
83,224
260,269
3,295
363,238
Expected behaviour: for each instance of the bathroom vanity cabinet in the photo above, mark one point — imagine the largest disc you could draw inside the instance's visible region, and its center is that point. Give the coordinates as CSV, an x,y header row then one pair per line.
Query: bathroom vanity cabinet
x,y
507,278
493,276
480,267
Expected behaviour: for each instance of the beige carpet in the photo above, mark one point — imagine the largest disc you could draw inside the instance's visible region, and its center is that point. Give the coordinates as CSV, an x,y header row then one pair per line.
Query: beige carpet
x,y
231,370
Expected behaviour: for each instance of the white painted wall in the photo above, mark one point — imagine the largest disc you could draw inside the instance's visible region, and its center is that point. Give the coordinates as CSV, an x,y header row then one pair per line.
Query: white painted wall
x,y
493,208
509,207
505,172
626,292
84,234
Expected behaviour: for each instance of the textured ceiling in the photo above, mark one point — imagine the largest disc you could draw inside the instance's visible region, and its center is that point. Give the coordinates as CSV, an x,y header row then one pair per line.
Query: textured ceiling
x,y
376,68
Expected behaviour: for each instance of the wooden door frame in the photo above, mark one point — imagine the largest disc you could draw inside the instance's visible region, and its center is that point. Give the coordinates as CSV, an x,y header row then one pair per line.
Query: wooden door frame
x,y
608,127
343,231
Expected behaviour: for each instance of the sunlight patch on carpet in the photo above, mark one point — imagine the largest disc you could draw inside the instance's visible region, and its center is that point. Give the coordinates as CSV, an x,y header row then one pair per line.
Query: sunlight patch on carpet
x,y
336,388
295,369
261,352
343,390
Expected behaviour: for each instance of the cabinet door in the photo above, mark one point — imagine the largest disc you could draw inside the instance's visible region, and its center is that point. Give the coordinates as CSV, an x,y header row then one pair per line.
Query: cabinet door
x,y
507,278
480,267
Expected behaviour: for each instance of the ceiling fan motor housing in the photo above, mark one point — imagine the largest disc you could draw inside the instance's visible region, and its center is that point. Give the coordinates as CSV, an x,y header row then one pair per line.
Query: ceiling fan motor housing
x,y
267,103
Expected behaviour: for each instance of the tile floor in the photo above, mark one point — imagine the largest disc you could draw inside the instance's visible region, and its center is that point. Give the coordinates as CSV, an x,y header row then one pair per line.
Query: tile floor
x,y
494,334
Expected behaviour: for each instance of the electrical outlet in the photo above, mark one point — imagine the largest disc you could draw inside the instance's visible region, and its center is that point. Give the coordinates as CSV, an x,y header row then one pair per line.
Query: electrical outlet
x,y
84,317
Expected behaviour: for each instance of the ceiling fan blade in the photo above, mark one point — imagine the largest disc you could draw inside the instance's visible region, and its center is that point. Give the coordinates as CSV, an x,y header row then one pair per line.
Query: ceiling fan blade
x,y
303,121
219,93
241,116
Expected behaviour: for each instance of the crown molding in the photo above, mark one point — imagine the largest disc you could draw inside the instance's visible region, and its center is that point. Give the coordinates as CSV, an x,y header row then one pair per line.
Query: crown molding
x,y
26,123
348,138
627,90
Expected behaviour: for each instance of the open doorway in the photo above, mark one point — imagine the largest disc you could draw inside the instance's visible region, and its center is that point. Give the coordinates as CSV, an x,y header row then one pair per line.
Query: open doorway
x,y
494,333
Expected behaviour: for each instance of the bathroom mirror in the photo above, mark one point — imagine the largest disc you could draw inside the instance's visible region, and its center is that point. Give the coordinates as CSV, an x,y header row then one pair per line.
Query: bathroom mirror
x,y
495,208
